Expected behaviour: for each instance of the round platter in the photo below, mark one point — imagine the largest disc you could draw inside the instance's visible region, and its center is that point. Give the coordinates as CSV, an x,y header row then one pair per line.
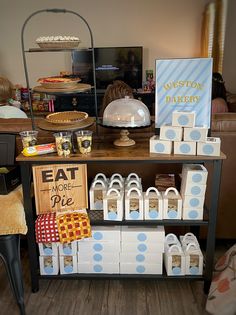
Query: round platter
x,y
45,125
80,87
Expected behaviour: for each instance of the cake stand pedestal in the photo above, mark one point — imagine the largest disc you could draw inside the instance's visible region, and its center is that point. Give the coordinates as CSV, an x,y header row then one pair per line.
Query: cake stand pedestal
x,y
124,140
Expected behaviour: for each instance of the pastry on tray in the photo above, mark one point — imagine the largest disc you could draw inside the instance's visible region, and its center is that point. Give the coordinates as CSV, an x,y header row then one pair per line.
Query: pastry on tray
x,y
67,117
58,82
61,42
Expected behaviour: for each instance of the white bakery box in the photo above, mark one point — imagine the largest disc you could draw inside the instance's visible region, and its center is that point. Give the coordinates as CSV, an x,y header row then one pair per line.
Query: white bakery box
x,y
160,146
134,234
153,204
113,205
193,260
189,213
210,147
98,246
48,265
105,233
183,118
106,262
134,204
48,249
192,189
185,147
96,194
142,268
197,133
194,174
172,204
68,249
68,264
171,133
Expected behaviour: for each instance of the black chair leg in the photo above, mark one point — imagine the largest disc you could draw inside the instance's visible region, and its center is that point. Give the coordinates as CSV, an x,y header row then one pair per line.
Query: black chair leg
x,y
10,252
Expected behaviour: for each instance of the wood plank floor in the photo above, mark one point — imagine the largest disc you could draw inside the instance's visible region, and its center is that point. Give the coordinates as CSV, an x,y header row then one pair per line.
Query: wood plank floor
x,y
105,297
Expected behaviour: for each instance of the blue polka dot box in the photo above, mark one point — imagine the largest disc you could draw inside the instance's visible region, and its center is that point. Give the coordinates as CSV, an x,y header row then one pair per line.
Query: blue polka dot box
x,y
160,146
194,174
210,147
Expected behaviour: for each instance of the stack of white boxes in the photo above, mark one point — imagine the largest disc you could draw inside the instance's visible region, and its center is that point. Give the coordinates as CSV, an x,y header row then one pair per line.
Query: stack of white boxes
x,y
68,257
48,259
193,187
101,252
188,139
174,257
142,250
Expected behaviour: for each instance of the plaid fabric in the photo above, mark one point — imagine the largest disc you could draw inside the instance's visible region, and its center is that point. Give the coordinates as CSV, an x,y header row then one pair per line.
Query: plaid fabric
x,y
46,228
73,226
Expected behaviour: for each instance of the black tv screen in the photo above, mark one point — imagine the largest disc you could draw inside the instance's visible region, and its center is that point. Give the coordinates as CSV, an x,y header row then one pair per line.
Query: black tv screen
x,y
111,63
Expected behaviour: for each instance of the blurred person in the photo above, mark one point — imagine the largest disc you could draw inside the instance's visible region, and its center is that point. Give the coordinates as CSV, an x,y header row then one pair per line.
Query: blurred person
x,y
219,100
6,93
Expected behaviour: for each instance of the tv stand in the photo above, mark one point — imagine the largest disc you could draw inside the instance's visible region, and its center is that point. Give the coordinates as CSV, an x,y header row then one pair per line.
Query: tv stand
x,y
85,101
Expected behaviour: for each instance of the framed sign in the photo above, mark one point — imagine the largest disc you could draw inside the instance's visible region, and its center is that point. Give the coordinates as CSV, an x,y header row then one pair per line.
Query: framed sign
x,y
60,187
183,84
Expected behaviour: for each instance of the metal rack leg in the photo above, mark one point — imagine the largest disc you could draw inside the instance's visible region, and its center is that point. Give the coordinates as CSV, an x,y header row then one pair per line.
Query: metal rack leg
x,y
26,184
210,246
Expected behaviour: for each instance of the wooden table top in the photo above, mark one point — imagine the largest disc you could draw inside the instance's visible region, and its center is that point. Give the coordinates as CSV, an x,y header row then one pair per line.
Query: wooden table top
x,y
103,150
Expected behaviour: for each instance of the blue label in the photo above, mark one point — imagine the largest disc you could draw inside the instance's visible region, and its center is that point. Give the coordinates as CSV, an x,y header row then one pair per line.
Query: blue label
x,y
112,215
172,214
193,214
134,215
48,251
170,134
140,258
97,257
142,247
97,247
195,190
153,214
68,269
196,178
140,269
194,270
159,147
176,270
185,148
97,236
183,120
48,270
97,268
142,237
195,135
194,202
208,149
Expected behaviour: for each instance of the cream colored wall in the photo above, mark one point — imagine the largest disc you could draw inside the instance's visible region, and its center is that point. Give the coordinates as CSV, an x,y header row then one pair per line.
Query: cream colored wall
x,y
165,28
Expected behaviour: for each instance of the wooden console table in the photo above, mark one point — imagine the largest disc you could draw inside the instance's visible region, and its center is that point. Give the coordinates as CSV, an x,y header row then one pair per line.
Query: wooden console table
x,y
103,155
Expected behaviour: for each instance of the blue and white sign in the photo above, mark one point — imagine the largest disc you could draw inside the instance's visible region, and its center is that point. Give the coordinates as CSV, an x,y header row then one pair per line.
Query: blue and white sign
x,y
183,84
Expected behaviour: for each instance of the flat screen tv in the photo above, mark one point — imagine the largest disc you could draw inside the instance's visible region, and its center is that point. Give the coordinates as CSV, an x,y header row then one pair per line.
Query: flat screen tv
x,y
111,63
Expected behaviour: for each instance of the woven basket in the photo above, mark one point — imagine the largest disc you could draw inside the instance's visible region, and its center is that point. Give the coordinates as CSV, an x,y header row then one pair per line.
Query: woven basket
x,y
59,44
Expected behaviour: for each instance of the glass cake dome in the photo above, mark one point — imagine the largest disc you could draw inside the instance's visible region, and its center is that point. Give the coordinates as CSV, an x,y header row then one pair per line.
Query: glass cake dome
x,y
126,112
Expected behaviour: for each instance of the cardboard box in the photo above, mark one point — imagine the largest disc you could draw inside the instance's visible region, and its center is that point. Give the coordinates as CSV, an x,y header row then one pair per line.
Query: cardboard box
x,y
172,204
10,180
143,247
153,204
134,204
93,258
183,118
210,147
171,133
192,213
193,202
48,265
96,194
106,233
134,234
68,264
185,147
192,189
174,260
113,203
99,268
136,258
68,249
142,268
194,174
48,249
100,247
160,146
196,134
